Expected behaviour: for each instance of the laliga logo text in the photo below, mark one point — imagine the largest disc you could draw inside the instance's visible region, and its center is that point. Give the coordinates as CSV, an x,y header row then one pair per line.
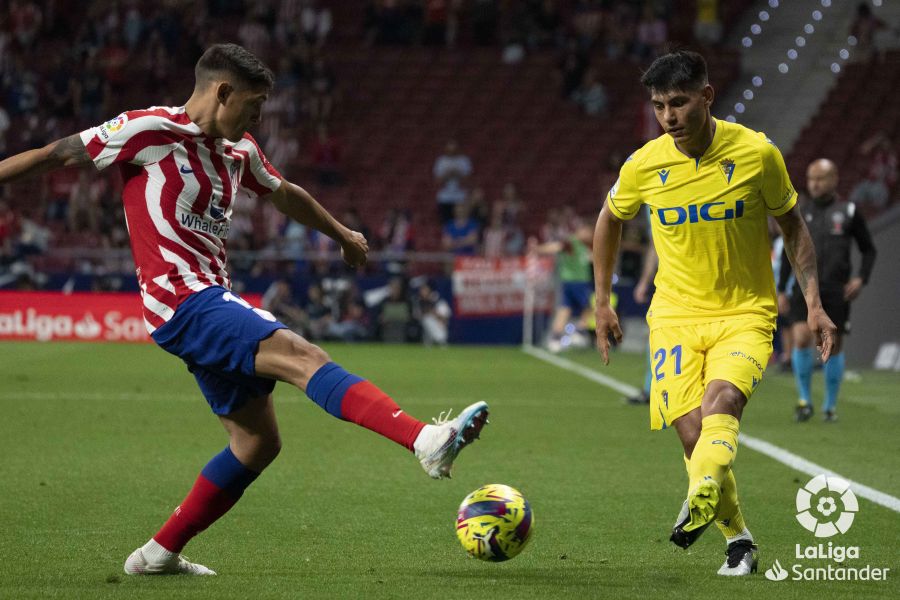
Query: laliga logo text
x,y
826,506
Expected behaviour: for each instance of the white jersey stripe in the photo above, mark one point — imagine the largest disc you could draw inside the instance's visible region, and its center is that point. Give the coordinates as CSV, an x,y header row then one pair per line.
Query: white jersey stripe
x,y
158,308
154,207
163,282
188,276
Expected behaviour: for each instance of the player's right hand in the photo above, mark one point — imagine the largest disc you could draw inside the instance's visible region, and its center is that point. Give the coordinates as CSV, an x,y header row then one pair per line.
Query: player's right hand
x,y
354,249
824,329
607,326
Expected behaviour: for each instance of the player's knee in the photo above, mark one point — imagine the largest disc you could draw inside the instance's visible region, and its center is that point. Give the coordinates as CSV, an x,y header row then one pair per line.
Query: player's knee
x,y
309,353
265,449
730,400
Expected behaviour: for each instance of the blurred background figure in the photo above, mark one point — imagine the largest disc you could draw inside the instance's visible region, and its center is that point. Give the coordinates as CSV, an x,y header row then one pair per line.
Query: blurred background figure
x,y
835,225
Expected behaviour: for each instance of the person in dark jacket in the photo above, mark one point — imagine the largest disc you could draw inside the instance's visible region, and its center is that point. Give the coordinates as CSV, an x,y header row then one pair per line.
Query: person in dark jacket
x,y
834,225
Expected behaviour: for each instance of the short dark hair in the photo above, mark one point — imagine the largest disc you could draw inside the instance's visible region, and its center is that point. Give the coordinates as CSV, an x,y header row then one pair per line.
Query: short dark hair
x,y
233,60
678,70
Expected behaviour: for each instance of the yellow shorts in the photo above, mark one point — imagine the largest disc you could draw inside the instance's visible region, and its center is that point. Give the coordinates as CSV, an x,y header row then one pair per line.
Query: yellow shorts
x,y
685,358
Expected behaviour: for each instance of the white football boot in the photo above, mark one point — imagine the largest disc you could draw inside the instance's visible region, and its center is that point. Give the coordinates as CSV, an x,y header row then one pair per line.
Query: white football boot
x,y
742,558
153,559
438,445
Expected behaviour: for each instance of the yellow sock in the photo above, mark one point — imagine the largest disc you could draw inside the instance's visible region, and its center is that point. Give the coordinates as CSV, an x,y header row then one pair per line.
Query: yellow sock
x,y
715,449
729,519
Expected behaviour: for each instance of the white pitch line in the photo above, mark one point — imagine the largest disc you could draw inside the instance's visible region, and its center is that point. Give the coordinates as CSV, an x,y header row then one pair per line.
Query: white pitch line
x,y
781,455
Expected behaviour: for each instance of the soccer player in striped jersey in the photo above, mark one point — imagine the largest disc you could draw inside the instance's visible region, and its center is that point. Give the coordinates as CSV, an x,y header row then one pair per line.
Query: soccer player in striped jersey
x,y
710,186
182,169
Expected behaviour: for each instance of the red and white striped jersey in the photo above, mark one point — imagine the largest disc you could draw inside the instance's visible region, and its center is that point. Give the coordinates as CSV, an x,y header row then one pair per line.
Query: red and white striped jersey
x,y
179,190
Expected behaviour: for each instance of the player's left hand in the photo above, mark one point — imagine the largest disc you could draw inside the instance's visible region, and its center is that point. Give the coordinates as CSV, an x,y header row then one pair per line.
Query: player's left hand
x,y
354,249
825,331
853,288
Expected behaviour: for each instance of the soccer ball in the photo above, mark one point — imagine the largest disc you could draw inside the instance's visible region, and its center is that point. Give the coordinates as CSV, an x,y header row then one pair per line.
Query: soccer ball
x,y
494,523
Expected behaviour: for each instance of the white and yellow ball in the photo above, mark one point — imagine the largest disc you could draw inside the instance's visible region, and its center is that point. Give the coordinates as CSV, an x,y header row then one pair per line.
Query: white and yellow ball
x,y
494,523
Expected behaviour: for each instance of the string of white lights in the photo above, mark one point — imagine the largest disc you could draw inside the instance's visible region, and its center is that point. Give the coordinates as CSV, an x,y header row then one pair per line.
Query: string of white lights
x,y
756,81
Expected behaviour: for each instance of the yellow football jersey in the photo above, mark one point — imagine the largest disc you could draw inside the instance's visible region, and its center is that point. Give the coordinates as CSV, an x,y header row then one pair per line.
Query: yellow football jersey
x,y
709,225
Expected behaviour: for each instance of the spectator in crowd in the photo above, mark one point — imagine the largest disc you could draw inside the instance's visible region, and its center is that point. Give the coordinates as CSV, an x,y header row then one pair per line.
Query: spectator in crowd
x,y
25,19
396,234
503,236
451,171
391,22
620,30
326,157
591,95
4,127
351,322
441,22
433,314
511,204
485,17
34,236
353,220
461,235
395,313
572,66
652,34
283,148
7,232
881,175
548,24
707,24
866,28
321,91
91,93
587,23
478,207
632,250
59,89
318,314
279,300
316,22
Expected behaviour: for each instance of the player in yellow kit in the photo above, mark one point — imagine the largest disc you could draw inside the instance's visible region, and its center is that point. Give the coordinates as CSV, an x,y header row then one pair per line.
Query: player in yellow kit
x,y
710,186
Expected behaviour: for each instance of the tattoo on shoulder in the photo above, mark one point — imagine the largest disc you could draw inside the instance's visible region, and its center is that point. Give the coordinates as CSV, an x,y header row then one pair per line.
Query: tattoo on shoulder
x,y
71,151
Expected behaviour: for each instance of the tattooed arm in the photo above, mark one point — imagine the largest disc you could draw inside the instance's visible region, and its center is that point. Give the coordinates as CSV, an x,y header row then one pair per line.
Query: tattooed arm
x,y
802,253
67,152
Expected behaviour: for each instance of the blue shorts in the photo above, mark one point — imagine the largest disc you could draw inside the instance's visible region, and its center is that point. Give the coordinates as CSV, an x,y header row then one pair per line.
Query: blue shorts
x,y
576,295
217,334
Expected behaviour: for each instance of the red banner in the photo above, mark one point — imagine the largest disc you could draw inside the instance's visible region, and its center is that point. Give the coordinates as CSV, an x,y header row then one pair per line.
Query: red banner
x,y
80,316
495,287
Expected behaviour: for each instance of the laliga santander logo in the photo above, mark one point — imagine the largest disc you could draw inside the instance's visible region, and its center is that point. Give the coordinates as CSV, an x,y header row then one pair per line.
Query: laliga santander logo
x,y
826,506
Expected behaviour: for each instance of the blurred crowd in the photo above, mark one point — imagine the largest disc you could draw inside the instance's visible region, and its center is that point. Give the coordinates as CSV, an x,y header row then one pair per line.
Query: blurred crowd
x,y
65,70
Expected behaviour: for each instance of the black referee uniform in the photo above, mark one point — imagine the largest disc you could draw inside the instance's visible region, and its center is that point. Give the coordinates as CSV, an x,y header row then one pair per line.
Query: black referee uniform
x,y
833,225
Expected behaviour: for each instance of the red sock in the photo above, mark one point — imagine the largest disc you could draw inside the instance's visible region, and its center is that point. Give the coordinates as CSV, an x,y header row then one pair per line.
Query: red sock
x,y
218,488
368,406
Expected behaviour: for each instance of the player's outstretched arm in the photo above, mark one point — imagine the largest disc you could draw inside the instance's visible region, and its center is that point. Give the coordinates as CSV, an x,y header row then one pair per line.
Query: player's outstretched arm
x,y
296,203
802,253
607,234
66,152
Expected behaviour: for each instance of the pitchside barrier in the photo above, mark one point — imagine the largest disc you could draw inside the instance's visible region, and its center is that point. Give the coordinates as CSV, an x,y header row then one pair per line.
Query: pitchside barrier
x,y
494,300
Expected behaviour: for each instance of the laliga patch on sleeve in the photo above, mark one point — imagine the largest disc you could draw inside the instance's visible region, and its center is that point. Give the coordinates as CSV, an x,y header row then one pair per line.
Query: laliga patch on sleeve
x,y
112,127
614,190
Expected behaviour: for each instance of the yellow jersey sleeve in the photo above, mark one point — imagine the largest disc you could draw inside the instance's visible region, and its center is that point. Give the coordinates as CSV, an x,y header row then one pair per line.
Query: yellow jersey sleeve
x,y
777,191
624,199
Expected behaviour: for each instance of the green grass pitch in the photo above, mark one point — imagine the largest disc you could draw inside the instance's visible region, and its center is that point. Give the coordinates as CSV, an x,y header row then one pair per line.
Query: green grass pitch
x,y
99,443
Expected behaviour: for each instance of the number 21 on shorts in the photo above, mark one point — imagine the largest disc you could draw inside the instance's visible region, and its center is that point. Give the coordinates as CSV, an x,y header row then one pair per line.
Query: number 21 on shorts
x,y
660,357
